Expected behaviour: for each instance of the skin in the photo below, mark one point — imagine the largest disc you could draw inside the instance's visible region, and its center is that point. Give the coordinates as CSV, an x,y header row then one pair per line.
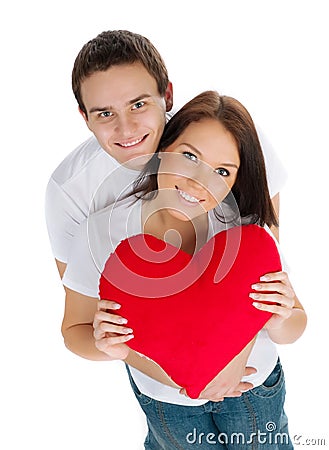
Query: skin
x,y
126,117
93,330
192,168
125,111
209,176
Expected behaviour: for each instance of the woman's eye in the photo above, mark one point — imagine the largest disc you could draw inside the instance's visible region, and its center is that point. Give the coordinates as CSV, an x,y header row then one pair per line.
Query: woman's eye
x,y
223,172
190,156
138,105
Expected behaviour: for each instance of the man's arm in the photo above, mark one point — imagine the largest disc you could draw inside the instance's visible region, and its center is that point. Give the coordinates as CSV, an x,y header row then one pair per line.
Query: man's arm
x,y
80,318
77,326
276,206
61,266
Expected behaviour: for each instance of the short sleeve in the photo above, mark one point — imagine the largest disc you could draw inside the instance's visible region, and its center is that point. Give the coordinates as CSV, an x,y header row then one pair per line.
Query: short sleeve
x,y
284,263
275,171
82,274
63,217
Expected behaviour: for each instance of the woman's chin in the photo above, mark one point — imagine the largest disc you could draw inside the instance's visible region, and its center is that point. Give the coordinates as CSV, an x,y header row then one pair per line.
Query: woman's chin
x,y
186,216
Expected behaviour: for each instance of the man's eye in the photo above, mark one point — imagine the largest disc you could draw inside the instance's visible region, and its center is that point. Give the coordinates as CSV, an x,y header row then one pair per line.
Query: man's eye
x,y
104,114
223,172
190,156
138,105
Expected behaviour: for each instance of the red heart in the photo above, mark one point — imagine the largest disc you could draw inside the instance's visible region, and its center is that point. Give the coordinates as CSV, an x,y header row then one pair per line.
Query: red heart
x,y
191,315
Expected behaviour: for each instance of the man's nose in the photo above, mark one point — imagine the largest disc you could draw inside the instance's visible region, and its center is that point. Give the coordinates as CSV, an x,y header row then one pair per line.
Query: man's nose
x,y
125,125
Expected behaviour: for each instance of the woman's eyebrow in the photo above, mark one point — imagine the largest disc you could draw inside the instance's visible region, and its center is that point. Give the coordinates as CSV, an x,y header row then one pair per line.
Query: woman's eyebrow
x,y
228,164
192,148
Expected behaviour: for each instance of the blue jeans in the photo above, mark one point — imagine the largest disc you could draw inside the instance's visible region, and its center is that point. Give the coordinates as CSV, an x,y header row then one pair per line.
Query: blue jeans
x,y
256,420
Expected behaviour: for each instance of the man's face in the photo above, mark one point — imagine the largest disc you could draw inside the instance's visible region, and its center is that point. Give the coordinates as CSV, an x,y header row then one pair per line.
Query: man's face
x,y
125,111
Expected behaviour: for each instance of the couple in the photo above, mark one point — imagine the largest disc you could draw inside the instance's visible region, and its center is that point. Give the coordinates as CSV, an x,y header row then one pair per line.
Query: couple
x,y
207,150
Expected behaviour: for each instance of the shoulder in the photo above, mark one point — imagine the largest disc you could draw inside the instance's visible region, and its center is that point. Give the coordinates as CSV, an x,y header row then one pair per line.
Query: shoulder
x,y
78,159
106,228
95,240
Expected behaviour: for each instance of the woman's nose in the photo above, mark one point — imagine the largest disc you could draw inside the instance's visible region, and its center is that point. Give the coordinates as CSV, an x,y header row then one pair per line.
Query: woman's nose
x,y
197,183
201,177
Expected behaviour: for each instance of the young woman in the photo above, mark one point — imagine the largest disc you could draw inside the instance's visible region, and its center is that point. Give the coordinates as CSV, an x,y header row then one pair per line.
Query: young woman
x,y
209,156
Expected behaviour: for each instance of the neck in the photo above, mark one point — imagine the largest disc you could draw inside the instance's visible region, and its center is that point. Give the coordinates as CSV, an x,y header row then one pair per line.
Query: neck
x,y
188,235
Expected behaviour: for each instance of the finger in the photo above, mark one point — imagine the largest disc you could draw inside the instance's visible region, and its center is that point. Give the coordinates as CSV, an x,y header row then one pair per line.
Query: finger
x,y
216,399
102,316
98,334
108,304
233,394
213,397
276,276
114,340
110,328
274,309
249,371
281,288
238,390
244,386
275,299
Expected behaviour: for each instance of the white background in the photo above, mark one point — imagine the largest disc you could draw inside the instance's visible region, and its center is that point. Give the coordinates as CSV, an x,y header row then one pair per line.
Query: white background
x,y
271,55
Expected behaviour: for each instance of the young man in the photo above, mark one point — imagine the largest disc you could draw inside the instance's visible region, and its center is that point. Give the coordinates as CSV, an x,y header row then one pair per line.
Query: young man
x,y
123,91
122,88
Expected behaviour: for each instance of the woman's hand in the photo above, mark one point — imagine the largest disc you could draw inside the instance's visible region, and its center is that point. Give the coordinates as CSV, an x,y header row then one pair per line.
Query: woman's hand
x,y
110,332
228,382
276,295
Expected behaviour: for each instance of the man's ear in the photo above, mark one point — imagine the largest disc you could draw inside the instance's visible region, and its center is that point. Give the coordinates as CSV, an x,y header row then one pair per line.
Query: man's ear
x,y
85,117
169,96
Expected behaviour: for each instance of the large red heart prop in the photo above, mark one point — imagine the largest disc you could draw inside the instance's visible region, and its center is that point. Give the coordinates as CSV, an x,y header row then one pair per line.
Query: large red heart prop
x,y
191,315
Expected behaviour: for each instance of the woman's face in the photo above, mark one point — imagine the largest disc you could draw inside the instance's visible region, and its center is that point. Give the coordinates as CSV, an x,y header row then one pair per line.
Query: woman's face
x,y
198,170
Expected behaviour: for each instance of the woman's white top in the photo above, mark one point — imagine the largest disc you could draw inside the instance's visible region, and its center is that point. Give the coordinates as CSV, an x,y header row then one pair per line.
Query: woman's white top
x,y
96,239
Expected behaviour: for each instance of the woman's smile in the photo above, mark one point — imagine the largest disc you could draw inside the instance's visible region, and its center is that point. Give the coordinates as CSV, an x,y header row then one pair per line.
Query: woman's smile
x,y
187,198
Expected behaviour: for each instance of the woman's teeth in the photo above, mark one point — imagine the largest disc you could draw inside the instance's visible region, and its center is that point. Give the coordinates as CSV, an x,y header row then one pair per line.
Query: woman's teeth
x,y
188,197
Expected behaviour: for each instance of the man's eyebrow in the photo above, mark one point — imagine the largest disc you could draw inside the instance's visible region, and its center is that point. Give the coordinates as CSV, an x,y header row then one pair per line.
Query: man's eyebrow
x,y
137,99
99,109
109,108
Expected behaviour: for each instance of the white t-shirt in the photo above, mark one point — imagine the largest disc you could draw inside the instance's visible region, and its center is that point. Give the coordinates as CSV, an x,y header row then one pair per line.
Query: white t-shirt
x,y
96,239
73,191
87,180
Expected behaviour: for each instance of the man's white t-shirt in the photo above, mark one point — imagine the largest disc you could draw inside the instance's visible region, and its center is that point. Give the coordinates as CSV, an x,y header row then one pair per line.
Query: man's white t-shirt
x,y
96,239
76,189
